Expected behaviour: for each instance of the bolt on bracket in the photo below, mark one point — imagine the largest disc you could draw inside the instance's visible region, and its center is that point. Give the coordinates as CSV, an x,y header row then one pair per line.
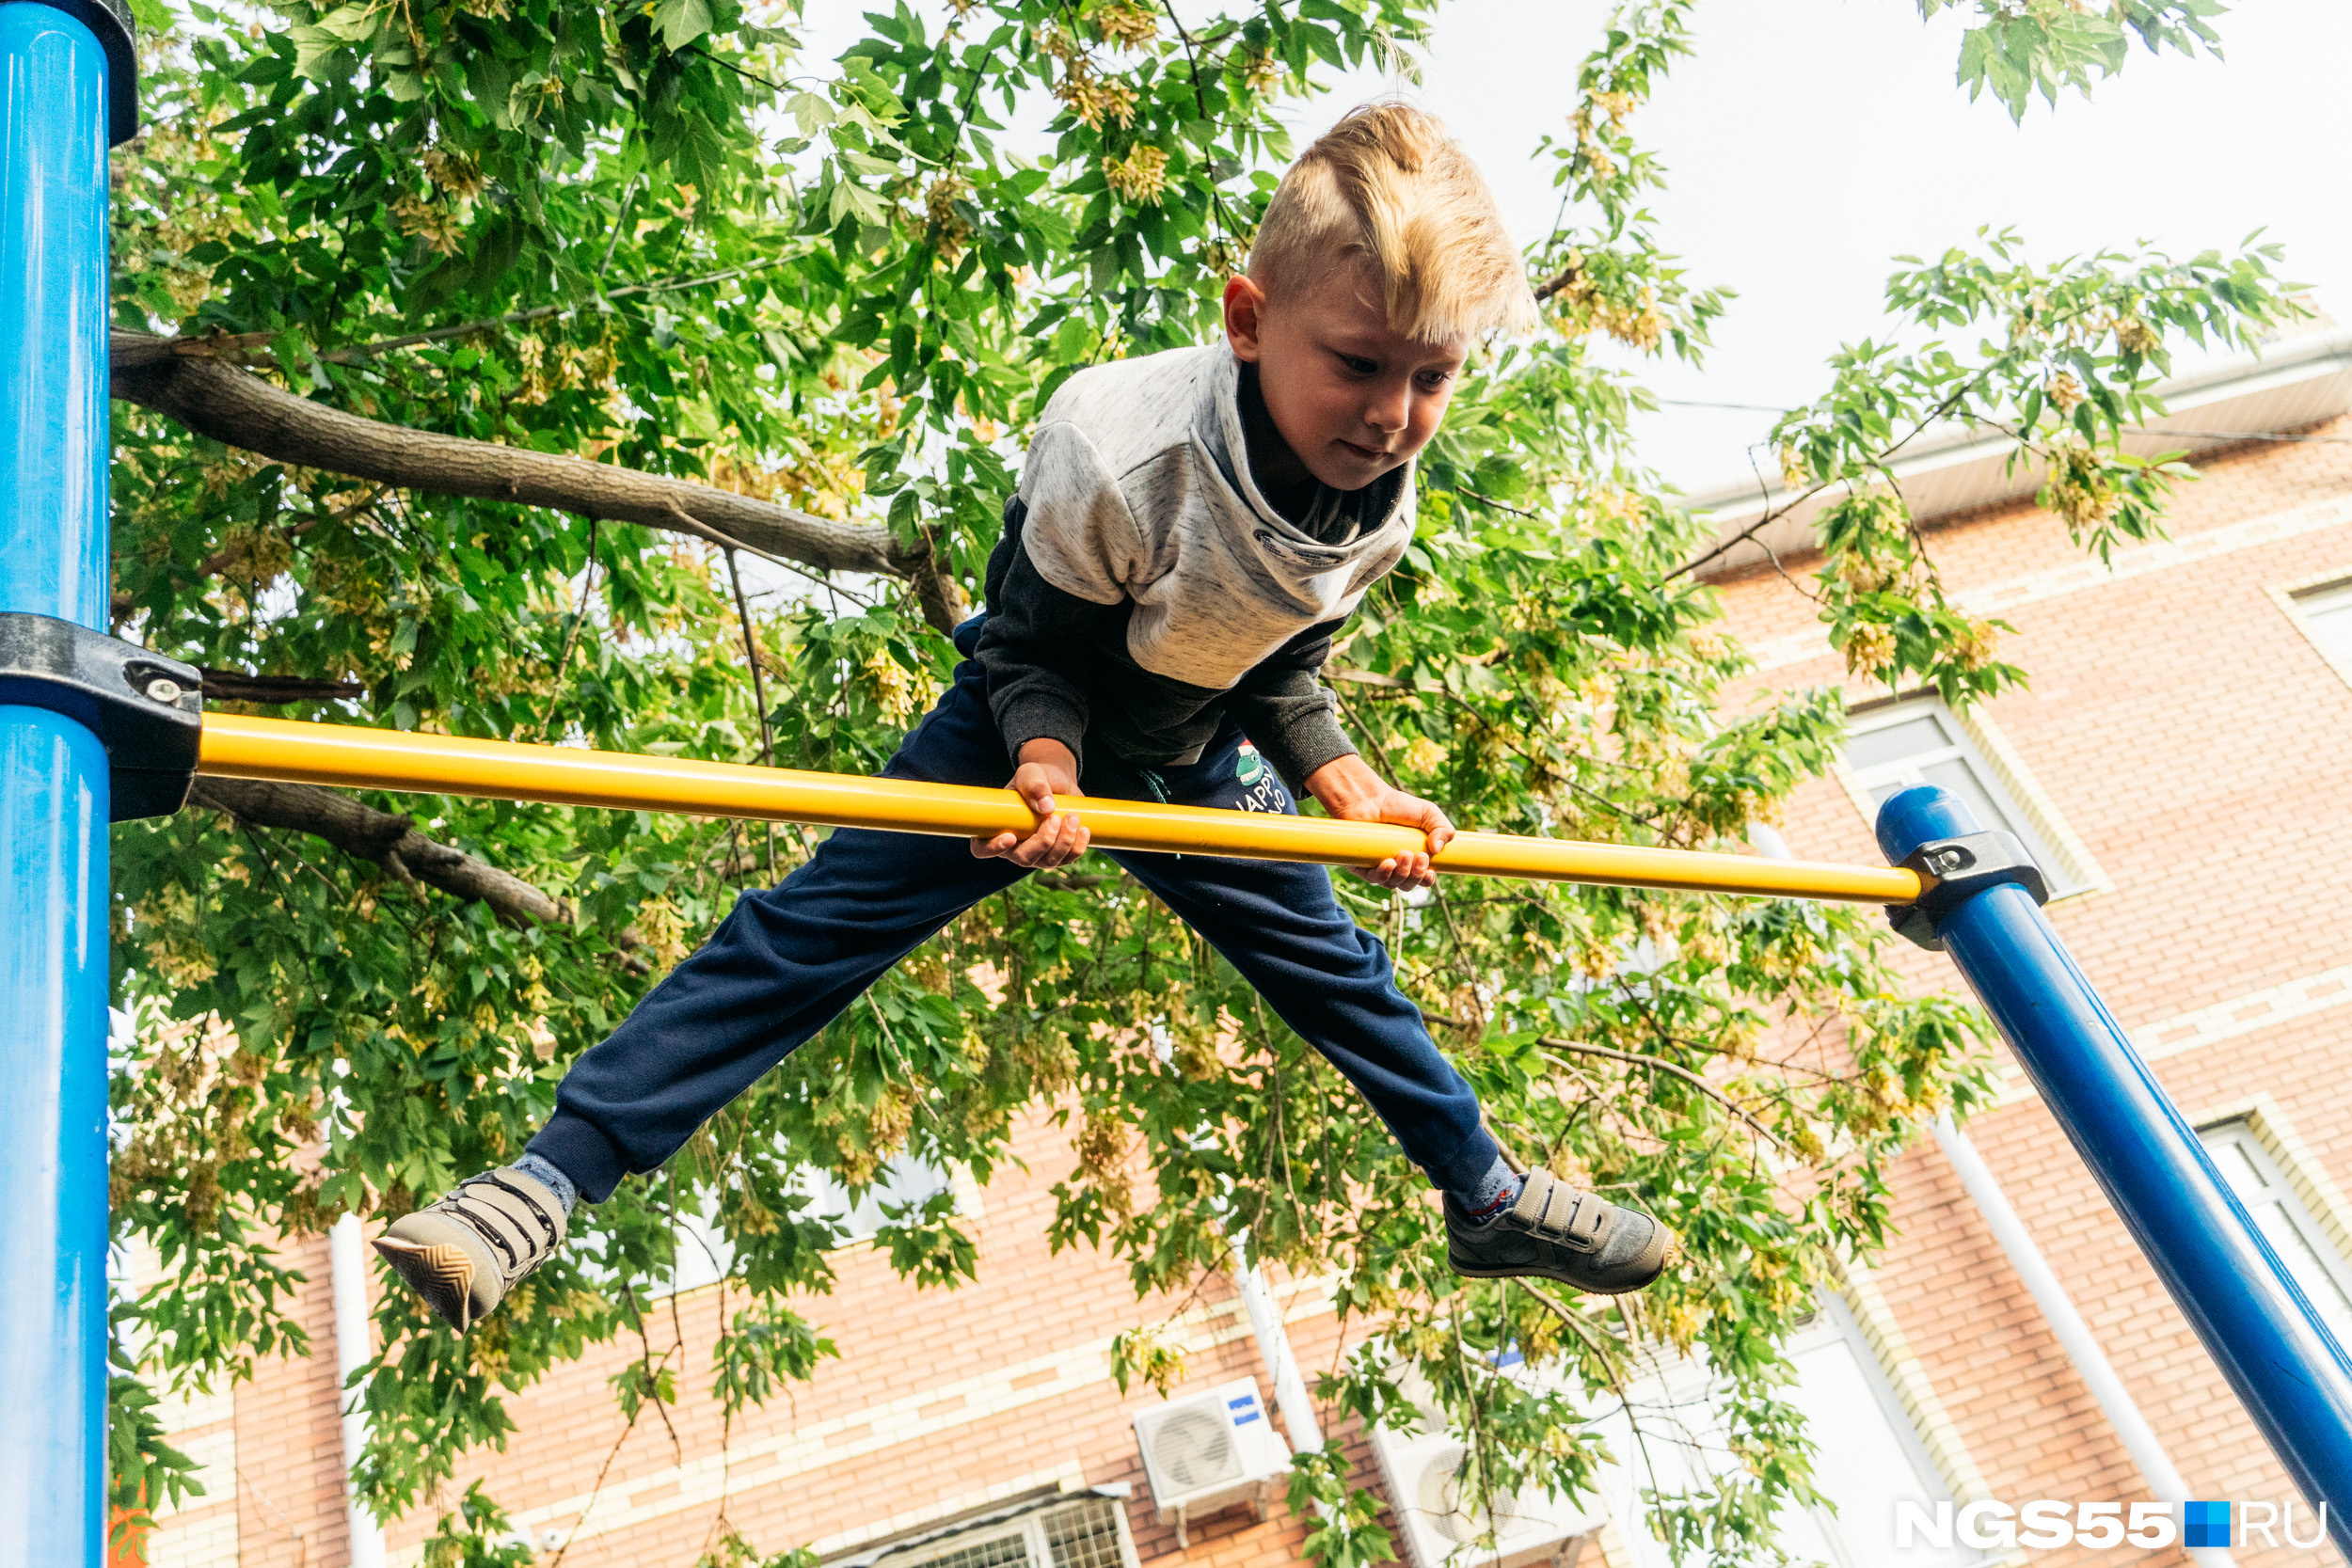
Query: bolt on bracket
x,y
1962,867
147,711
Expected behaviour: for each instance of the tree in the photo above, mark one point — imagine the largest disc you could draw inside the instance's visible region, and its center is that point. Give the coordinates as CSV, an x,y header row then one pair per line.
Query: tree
x,y
465,351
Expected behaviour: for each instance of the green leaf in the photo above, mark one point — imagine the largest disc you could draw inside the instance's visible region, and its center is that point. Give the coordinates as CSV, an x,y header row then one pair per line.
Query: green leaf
x,y
681,22
313,47
810,112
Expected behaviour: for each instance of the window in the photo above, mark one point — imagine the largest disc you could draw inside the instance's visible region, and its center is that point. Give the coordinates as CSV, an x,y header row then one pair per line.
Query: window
x,y
1052,1531
905,1183
2327,617
703,1255
1920,741
2288,1225
1009,1550
1868,1458
1088,1535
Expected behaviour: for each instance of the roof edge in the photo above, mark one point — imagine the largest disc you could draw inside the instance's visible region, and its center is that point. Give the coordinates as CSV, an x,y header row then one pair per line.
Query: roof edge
x,y
2305,362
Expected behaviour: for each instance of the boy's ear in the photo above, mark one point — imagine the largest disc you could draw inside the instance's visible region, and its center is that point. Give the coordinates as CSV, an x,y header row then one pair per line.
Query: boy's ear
x,y
1244,317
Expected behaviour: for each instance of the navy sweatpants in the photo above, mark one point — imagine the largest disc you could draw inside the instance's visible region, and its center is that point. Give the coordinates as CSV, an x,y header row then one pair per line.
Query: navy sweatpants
x,y
789,959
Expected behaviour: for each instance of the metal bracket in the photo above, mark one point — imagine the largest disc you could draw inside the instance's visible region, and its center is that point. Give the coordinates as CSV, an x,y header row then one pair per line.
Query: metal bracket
x,y
110,20
1962,867
147,711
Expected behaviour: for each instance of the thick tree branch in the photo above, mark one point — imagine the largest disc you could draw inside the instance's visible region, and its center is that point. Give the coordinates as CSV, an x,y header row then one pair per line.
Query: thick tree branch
x,y
240,410
393,842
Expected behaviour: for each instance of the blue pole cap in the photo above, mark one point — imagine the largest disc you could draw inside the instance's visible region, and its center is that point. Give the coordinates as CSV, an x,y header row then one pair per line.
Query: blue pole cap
x,y
1933,832
110,20
1922,815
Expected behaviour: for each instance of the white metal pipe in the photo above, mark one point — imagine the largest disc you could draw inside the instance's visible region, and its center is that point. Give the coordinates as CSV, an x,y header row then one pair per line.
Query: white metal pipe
x,y
348,1269
1281,1367
2058,1308
2074,1335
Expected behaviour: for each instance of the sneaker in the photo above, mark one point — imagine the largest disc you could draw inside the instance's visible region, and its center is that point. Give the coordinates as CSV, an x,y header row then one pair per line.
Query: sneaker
x,y
1556,1232
464,1252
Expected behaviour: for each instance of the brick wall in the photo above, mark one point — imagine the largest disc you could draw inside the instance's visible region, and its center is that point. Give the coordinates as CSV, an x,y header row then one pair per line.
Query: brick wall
x,y
940,1401
2198,744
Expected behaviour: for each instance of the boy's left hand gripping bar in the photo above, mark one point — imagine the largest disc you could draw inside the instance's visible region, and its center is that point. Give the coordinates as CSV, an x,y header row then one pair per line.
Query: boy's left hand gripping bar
x,y
147,711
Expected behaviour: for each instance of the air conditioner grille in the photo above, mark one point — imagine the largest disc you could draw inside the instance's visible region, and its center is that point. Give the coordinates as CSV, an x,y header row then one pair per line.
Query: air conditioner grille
x,y
1438,1498
1196,1449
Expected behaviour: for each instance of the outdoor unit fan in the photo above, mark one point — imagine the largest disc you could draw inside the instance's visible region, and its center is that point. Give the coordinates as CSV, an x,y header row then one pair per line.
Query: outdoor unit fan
x,y
1209,1451
1426,1491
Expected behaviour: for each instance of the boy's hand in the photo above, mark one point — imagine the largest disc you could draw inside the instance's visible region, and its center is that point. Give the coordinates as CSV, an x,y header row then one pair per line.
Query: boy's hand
x,y
1352,792
1046,769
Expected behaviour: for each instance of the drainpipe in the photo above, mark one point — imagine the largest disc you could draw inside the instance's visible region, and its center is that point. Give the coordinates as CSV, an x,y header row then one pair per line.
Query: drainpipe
x,y
1281,1367
2074,1335
347,1267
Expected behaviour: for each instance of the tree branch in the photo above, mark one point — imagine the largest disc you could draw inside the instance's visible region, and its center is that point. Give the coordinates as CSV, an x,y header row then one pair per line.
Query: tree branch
x,y
1556,1043
235,686
1372,677
239,409
393,842
1774,515
136,349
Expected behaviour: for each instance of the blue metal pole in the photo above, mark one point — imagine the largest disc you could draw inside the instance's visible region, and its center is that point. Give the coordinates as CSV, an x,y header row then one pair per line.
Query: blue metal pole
x,y
2258,1326
54,130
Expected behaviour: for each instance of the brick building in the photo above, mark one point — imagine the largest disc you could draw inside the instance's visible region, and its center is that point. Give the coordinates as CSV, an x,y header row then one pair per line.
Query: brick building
x,y
2177,765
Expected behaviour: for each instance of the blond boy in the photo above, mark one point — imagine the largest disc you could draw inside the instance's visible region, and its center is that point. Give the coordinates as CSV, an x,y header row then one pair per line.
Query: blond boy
x,y
1191,530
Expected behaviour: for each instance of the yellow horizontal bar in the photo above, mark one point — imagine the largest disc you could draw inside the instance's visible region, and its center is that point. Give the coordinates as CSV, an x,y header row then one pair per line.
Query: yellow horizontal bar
x,y
235,747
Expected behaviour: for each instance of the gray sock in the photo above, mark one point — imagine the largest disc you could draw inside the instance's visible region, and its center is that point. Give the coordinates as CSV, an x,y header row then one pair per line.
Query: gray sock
x,y
1495,1191
549,1175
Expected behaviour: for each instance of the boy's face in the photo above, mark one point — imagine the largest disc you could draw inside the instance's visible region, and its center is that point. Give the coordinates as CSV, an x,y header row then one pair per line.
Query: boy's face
x,y
1351,397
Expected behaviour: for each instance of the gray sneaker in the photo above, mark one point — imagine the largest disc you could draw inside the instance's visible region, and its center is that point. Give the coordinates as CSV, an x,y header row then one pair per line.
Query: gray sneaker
x,y
464,1252
1556,1232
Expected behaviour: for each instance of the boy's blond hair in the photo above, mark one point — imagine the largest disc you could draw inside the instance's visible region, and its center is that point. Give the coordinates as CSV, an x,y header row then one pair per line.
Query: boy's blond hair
x,y
1387,188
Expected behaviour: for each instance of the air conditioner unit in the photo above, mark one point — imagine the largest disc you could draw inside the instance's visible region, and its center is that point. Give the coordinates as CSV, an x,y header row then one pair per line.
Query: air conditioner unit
x,y
1422,1469
1209,1451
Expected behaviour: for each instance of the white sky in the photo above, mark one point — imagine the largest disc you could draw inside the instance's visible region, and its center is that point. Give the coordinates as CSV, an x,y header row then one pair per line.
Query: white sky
x,y
1807,142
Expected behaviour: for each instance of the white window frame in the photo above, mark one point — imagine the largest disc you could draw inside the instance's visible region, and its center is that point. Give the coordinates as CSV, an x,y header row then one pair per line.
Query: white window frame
x,y
1679,1395
1999,772
1835,1320
2296,601
2246,1134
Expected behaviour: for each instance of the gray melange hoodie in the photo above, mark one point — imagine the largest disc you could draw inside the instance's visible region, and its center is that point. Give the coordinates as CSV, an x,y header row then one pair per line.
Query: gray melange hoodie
x,y
1144,590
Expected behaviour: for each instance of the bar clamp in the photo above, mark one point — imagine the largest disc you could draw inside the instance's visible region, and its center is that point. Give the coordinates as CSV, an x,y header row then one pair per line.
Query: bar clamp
x,y
146,709
1962,867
